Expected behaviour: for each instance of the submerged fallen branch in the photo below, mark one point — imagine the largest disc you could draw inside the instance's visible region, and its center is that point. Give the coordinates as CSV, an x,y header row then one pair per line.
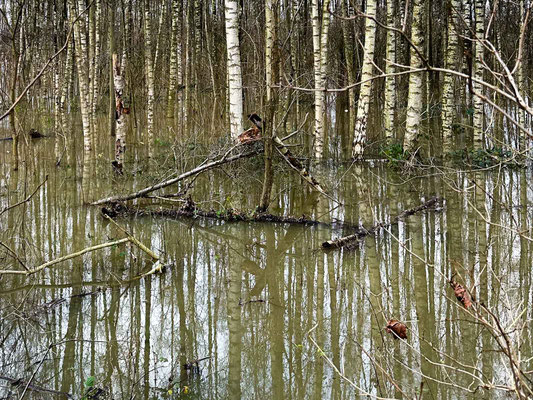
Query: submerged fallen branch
x,y
130,238
189,210
362,232
204,167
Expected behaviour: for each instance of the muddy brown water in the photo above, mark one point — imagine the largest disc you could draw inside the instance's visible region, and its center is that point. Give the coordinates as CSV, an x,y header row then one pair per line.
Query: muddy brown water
x,y
266,312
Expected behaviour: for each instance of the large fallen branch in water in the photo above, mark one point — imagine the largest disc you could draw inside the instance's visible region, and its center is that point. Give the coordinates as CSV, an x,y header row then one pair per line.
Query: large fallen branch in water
x,y
204,167
130,238
65,258
189,210
362,232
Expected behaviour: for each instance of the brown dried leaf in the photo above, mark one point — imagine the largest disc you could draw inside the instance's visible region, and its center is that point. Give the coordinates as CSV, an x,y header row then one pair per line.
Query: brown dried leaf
x,y
397,329
461,294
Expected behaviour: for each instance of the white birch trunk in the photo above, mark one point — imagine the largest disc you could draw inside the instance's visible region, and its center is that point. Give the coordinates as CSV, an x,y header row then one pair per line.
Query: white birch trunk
x,y
234,67
121,114
390,81
350,67
149,70
175,55
365,94
414,99
449,99
82,65
94,77
479,12
320,48
269,45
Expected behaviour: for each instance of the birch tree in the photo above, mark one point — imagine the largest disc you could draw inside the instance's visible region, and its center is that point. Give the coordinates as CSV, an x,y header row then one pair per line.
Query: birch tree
x,y
94,63
120,114
479,13
347,11
448,88
390,81
149,70
414,98
363,104
234,67
82,66
320,25
175,58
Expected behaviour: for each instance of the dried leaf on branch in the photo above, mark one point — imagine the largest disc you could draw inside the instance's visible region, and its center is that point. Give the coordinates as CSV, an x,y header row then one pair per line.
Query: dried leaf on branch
x,y
397,329
462,294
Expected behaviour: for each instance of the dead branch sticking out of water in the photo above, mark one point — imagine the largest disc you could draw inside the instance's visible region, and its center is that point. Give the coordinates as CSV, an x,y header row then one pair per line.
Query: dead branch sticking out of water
x,y
362,232
201,168
26,199
295,164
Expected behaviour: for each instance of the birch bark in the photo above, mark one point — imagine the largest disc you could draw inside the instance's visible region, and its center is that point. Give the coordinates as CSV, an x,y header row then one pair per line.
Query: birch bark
x,y
390,81
320,52
175,55
82,63
365,94
479,12
448,89
234,67
120,113
414,99
149,70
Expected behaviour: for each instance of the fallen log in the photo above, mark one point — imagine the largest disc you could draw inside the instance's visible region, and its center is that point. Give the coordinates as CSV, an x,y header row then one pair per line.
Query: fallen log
x,y
189,210
204,167
362,232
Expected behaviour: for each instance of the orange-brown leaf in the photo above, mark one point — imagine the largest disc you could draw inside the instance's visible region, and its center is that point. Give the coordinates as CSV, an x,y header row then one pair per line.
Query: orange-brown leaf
x,y
461,294
397,329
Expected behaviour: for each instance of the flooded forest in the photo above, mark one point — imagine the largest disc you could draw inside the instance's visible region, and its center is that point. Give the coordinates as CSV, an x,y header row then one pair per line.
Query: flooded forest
x,y
266,199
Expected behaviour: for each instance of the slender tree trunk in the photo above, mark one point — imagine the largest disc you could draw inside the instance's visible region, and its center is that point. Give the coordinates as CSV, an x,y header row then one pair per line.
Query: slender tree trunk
x,y
320,53
234,67
363,105
175,55
63,104
94,77
149,69
522,84
121,113
111,111
479,12
390,81
82,64
414,99
347,11
270,7
12,117
448,89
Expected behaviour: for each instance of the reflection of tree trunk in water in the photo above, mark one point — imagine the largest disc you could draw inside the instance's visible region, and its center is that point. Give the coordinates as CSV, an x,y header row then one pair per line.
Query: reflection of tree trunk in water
x,y
136,332
191,304
147,319
335,305
74,313
376,318
180,287
235,331
426,322
276,310
493,281
112,319
319,331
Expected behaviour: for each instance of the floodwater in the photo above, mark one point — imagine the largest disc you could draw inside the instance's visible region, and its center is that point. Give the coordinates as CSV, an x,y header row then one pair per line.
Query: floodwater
x,y
258,310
